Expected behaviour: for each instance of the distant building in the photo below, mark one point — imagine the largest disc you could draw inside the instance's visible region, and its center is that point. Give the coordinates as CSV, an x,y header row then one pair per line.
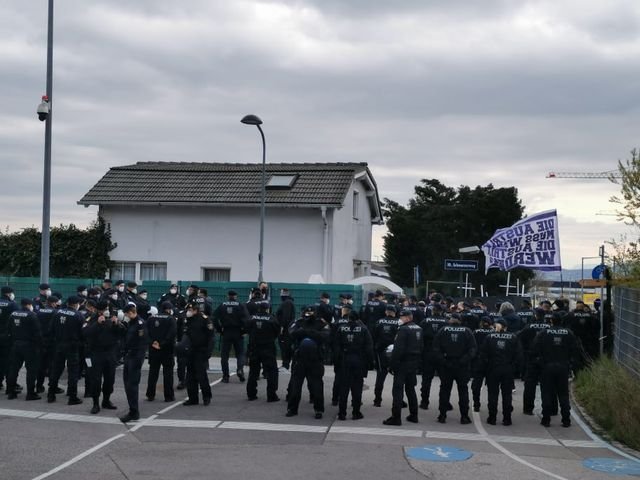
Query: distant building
x,y
200,221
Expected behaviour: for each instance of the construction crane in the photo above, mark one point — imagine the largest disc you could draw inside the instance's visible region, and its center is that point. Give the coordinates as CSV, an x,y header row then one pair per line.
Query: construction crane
x,y
602,175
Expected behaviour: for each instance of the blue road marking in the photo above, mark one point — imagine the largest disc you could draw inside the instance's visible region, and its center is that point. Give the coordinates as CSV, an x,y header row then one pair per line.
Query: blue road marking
x,y
614,466
439,453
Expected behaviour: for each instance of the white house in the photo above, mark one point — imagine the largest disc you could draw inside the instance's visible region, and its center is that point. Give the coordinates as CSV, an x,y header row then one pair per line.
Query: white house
x,y
201,221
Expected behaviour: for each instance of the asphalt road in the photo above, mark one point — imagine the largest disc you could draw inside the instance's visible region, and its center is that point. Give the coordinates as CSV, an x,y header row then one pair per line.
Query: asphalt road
x,y
236,438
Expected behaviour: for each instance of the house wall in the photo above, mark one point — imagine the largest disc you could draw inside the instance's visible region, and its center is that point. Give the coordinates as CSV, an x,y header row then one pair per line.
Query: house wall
x,y
190,238
351,237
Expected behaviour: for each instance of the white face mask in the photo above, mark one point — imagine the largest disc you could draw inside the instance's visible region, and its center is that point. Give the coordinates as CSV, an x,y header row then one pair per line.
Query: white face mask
x,y
121,289
173,291
143,296
114,296
135,290
30,308
12,296
189,292
83,293
47,293
189,313
105,313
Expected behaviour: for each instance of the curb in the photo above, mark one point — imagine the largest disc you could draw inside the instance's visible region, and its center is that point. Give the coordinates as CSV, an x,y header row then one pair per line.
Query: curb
x,y
597,429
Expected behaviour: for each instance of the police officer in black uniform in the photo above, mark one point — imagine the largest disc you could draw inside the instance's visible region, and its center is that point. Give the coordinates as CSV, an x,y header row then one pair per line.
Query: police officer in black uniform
x,y
384,333
162,337
405,360
286,315
263,329
336,358
309,334
478,371
199,336
230,318
586,327
532,370
135,346
525,312
173,296
7,307
45,317
499,354
454,347
431,325
374,310
102,332
41,300
66,331
355,348
26,338
555,349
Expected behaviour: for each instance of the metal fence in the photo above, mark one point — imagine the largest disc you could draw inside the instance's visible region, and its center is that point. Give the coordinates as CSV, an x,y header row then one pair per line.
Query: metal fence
x,y
303,294
626,343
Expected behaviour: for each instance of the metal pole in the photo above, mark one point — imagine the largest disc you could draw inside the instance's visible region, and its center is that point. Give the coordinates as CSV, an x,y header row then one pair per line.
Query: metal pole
x,y
262,206
582,280
46,190
602,301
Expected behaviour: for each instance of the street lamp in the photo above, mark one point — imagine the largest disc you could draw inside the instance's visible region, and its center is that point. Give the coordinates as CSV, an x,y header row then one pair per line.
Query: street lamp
x,y
44,114
255,120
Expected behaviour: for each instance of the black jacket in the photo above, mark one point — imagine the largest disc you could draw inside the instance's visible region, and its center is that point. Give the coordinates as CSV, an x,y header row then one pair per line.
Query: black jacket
x,y
162,329
263,330
66,328
500,349
136,336
407,345
24,327
7,307
231,316
555,347
384,332
200,332
454,346
102,337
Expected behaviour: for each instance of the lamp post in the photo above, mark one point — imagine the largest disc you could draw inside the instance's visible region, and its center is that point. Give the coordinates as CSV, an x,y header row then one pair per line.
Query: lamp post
x,y
255,120
44,113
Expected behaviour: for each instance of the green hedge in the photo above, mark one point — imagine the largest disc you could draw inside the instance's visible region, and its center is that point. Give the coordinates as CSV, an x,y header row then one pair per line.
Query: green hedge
x,y
611,396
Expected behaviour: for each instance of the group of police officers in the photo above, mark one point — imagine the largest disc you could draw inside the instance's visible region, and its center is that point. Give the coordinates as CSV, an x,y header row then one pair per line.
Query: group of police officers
x,y
99,328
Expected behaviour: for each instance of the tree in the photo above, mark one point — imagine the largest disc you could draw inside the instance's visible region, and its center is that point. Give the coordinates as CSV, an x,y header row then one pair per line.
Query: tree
x,y
438,221
629,182
74,252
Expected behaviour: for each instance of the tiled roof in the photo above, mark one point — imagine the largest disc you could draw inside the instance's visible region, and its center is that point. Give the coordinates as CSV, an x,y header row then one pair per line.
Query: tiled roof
x,y
144,183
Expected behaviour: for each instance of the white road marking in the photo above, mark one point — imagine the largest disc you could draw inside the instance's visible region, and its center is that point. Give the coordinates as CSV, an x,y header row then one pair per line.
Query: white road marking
x,y
527,440
478,424
455,436
377,431
77,458
583,444
273,427
183,423
79,418
595,438
5,412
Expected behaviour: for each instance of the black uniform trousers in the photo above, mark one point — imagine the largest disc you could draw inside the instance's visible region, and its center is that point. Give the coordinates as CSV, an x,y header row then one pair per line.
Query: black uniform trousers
x,y
229,339
102,374
157,359
131,376
23,353
338,380
404,382
70,356
531,380
181,362
353,366
500,381
450,373
477,378
555,388
381,373
428,372
284,342
5,352
265,357
313,371
197,364
45,364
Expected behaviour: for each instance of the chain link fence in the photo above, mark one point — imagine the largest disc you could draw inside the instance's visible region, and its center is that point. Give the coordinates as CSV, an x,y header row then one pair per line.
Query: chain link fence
x,y
626,343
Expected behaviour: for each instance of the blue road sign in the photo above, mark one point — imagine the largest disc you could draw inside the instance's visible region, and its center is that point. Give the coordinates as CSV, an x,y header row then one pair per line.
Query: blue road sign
x,y
461,265
614,466
598,272
439,453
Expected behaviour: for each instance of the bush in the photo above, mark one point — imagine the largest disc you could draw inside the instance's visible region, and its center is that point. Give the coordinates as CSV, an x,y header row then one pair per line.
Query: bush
x,y
610,396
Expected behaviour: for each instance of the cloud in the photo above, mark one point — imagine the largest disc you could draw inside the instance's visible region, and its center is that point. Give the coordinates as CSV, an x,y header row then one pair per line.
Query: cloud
x,y
501,91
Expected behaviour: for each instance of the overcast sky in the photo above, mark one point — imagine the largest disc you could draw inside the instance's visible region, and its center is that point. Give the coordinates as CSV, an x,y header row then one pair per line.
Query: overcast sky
x,y
467,92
